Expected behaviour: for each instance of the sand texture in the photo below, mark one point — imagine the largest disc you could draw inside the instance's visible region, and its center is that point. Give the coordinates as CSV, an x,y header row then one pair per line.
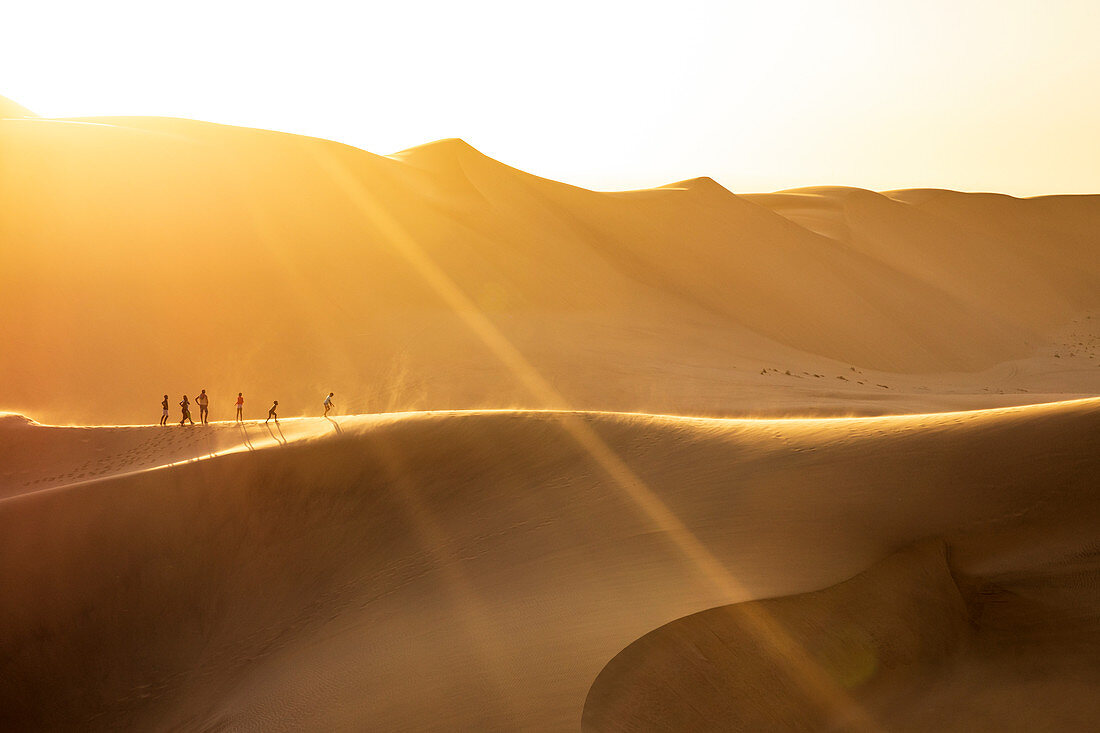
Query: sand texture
x,y
665,460
477,570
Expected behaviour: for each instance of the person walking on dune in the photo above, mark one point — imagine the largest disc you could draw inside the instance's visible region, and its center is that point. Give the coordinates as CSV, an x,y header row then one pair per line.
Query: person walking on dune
x,y
164,411
271,412
328,403
204,403
240,406
186,407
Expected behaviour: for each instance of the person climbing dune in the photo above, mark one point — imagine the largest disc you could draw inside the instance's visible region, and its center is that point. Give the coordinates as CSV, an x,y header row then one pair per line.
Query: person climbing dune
x,y
186,407
272,411
164,411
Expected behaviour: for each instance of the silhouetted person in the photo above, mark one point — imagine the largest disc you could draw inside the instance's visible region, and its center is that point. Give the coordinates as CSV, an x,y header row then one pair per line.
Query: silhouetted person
x,y
271,412
186,407
328,403
164,411
204,403
240,406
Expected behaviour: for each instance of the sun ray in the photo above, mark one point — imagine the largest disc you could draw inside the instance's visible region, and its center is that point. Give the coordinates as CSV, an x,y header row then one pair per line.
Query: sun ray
x,y
791,657
432,540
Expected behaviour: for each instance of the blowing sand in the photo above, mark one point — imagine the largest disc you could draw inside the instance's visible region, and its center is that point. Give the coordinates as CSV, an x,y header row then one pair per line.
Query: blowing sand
x,y
675,459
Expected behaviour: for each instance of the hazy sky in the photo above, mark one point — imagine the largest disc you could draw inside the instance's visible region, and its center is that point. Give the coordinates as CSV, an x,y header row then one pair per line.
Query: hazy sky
x,y
1001,95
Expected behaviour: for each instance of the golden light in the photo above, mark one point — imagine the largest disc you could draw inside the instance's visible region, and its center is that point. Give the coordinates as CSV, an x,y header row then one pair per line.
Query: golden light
x,y
760,96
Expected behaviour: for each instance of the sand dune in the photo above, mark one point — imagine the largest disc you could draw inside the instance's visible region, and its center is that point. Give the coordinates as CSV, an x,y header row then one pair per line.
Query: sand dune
x,y
287,267
909,644
511,530
11,110
460,571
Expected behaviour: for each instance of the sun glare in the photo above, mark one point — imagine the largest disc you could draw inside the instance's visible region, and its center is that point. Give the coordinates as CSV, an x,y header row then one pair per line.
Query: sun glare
x,y
761,96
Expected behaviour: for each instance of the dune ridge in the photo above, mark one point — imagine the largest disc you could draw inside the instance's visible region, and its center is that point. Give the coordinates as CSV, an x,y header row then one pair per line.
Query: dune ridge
x,y
9,109
919,645
827,299
903,618
476,569
559,494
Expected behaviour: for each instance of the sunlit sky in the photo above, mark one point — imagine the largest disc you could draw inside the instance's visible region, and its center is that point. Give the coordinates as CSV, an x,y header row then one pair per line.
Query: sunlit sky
x,y
1000,95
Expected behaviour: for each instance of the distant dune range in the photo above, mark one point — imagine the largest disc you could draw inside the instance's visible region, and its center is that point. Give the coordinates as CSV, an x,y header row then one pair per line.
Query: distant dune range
x,y
140,256
570,505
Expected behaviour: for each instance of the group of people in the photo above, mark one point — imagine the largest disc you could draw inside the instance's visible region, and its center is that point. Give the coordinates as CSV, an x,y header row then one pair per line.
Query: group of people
x,y
203,401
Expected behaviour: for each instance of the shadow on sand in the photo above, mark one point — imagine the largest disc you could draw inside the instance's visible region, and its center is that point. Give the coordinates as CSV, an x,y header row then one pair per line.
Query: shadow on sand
x,y
280,438
244,436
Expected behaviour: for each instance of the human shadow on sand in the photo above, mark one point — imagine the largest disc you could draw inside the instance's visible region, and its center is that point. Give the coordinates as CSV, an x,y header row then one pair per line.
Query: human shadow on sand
x,y
244,436
280,438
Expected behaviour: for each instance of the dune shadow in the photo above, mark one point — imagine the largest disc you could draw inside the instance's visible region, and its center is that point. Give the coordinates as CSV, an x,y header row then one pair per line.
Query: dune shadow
x,y
868,640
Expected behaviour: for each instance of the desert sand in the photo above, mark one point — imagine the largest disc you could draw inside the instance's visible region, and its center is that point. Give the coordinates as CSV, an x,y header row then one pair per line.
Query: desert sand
x,y
673,459
167,256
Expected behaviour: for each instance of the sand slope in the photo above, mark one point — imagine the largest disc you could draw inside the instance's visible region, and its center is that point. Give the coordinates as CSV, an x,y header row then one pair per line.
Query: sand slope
x,y
444,571
907,644
465,568
148,255
712,671
9,109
